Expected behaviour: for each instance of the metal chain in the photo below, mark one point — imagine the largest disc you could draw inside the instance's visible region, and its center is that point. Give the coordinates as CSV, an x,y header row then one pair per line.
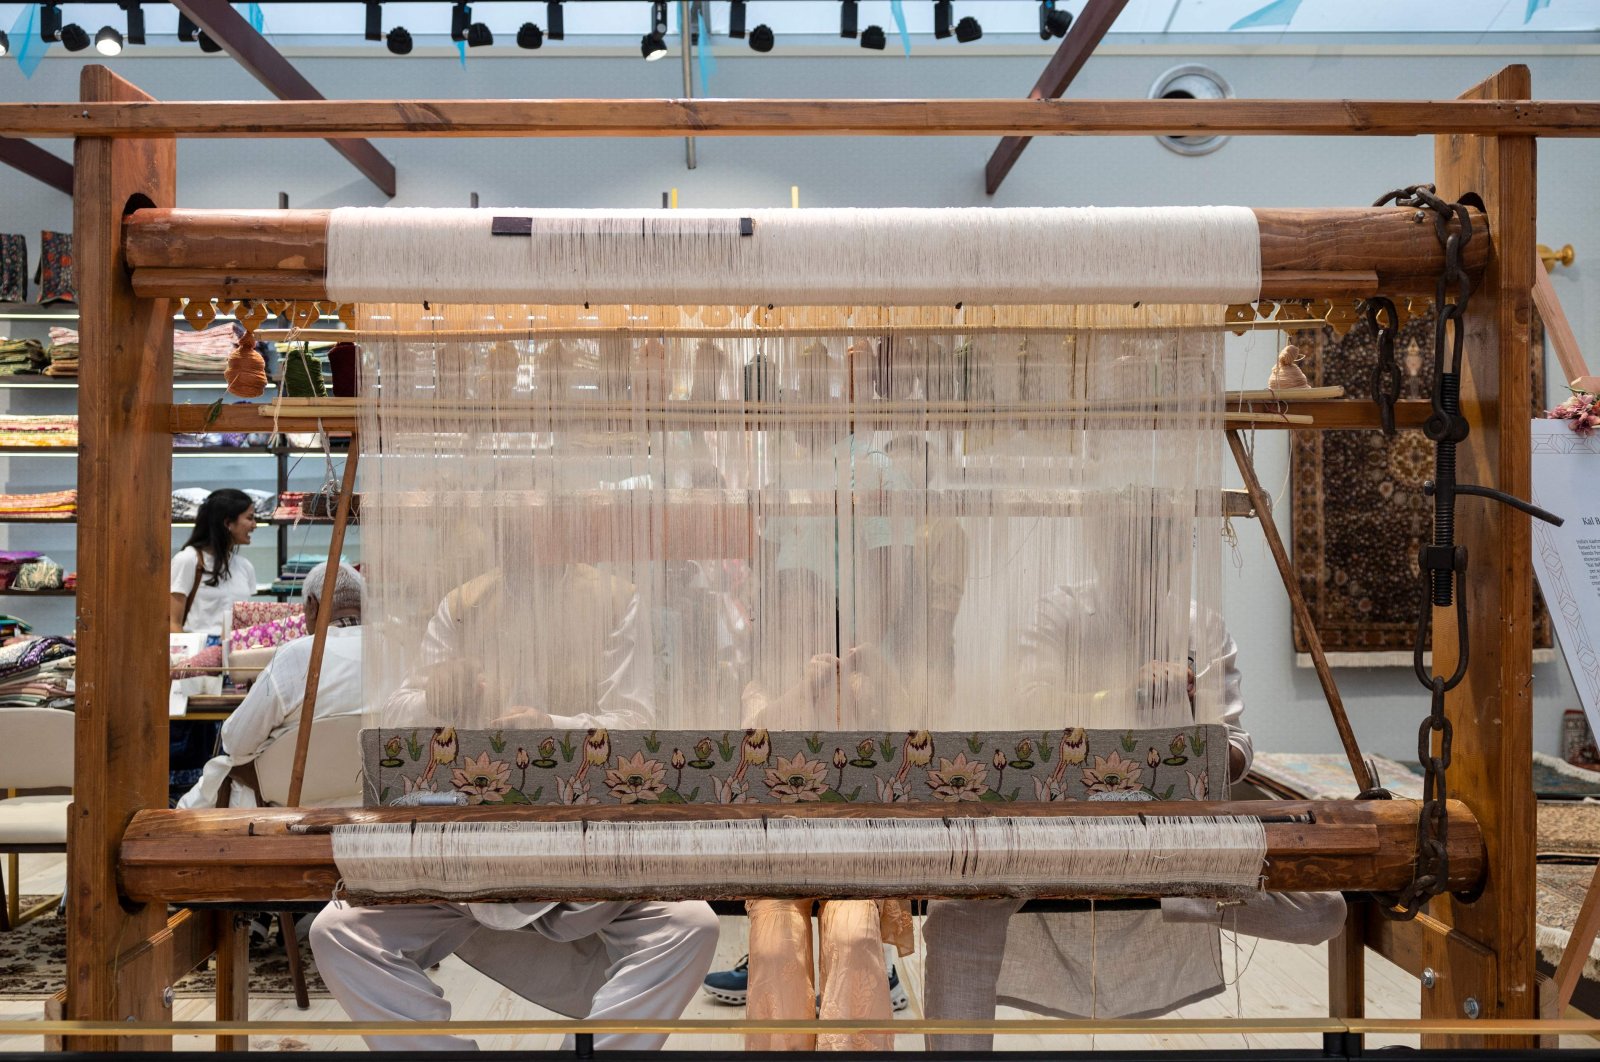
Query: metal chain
x,y
1443,564
1384,320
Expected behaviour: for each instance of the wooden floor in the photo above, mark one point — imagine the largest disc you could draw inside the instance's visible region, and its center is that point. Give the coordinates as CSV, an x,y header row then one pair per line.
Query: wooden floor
x,y
1278,980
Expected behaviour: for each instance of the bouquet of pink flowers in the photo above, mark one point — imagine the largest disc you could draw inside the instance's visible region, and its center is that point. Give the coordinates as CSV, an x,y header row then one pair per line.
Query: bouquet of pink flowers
x,y
1582,409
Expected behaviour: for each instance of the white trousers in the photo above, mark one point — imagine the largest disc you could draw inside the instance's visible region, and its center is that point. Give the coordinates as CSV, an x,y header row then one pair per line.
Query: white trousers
x,y
375,959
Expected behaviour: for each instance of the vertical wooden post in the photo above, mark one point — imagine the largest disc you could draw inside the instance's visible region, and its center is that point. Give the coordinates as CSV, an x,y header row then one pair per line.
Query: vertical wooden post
x,y
124,538
1492,709
233,976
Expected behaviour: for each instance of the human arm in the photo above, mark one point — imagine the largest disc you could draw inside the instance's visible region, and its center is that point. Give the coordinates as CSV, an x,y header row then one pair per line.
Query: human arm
x,y
268,706
408,704
185,579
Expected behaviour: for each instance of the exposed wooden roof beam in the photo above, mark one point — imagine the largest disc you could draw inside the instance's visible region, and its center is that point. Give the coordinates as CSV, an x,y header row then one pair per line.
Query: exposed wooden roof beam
x,y
37,163
267,65
1076,47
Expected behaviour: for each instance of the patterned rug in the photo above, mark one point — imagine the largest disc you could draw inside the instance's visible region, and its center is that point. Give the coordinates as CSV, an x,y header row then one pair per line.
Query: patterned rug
x,y
33,964
1569,829
1556,779
1359,513
1326,776
1561,892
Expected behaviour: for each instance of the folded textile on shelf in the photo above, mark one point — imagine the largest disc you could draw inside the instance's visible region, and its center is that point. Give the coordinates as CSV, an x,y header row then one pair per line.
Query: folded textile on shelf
x,y
38,431
58,504
41,573
63,352
250,613
22,357
186,502
32,653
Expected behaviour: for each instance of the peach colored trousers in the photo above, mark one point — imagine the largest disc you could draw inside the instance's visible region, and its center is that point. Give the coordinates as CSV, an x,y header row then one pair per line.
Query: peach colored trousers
x,y
852,983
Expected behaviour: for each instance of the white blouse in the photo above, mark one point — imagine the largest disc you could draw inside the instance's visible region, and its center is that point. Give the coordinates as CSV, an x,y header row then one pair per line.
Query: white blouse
x,y
213,605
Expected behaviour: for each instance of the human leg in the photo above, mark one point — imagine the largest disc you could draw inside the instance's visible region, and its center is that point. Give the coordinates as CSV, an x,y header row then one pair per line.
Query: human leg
x,y
781,979
855,983
966,942
374,959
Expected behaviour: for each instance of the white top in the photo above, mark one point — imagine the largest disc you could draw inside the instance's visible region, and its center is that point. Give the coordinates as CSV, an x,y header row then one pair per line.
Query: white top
x,y
213,605
273,705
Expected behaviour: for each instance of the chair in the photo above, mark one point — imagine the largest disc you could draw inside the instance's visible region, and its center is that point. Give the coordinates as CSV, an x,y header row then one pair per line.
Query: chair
x,y
332,779
36,754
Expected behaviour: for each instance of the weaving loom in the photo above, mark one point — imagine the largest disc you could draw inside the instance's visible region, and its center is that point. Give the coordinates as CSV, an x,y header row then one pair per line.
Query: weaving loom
x,y
643,365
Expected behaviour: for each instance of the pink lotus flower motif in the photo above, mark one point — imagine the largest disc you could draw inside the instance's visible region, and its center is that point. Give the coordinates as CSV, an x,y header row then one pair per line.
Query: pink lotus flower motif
x,y
573,790
1199,784
636,780
1046,790
732,791
413,785
1112,775
958,779
797,780
892,791
485,781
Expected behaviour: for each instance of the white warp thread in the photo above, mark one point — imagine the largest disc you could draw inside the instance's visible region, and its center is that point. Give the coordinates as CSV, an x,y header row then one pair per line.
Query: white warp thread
x,y
957,856
897,256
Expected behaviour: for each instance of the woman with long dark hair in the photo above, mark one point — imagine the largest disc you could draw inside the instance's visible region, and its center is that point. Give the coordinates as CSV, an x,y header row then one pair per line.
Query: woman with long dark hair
x,y
209,573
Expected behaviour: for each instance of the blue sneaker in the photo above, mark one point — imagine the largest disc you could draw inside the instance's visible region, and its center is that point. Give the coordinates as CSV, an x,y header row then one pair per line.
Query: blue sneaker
x,y
730,986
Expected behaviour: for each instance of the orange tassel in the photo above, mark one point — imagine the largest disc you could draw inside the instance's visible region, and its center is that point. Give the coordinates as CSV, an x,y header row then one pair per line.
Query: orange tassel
x,y
246,372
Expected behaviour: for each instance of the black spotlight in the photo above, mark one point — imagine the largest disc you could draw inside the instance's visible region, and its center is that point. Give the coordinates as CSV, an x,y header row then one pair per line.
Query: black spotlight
x,y
374,21
652,47
941,18
207,44
555,18
460,21
74,38
873,37
186,28
736,20
5,43
761,39
968,30
529,36
848,18
49,23
108,41
1053,22
135,20
479,36
399,40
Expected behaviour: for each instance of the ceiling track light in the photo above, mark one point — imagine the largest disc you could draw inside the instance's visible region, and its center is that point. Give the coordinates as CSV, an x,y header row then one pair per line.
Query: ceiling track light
x,y
374,21
187,30
207,44
398,41
849,18
653,45
555,18
108,41
74,38
135,20
968,30
942,18
1053,22
873,37
5,43
49,23
736,20
761,39
530,36
460,21
479,36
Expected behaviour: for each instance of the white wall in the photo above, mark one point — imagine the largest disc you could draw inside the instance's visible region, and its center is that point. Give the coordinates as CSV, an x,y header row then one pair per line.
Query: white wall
x,y
1286,709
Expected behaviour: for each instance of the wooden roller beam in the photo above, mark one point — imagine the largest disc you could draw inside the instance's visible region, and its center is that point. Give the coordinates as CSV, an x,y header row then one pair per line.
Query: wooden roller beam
x,y
1305,253
283,855
802,117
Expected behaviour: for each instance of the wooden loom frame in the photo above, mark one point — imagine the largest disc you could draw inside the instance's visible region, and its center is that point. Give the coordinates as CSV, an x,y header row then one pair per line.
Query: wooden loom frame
x,y
120,957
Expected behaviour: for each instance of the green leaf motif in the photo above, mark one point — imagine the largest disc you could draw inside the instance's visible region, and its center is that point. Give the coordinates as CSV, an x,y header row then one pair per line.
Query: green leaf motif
x,y
567,748
414,747
975,744
886,748
497,741
695,792
515,796
1128,742
991,797
853,794
671,796
725,748
832,796
652,743
1045,751
814,744
1168,794
383,796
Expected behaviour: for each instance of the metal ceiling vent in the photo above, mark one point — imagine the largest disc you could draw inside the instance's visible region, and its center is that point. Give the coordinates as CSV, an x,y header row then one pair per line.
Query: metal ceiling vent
x,y
1191,81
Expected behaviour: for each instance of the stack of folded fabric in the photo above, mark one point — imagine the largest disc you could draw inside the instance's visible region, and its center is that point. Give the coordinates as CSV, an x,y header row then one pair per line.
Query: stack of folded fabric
x,y
203,353
53,505
22,357
38,431
186,502
63,352
37,673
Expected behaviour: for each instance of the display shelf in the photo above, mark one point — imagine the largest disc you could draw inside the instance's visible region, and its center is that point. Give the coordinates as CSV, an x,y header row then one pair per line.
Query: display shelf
x,y
70,383
63,592
185,451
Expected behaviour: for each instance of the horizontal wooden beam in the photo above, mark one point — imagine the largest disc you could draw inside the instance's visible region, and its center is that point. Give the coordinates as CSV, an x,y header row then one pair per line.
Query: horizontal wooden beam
x,y
284,855
282,254
802,117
